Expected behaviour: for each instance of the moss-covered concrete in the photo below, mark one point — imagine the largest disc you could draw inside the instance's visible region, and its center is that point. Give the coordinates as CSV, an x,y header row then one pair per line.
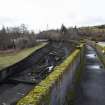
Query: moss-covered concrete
x,y
101,52
101,48
77,78
41,92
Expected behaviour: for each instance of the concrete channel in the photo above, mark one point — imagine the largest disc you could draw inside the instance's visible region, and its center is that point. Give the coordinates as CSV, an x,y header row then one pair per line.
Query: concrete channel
x,y
91,90
31,72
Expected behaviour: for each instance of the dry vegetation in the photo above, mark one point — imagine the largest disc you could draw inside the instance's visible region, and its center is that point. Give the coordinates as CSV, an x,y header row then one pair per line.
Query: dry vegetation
x,y
20,37
61,34
16,38
95,32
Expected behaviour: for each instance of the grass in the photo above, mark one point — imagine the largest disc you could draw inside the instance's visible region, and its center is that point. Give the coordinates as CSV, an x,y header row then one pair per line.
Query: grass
x,y
10,59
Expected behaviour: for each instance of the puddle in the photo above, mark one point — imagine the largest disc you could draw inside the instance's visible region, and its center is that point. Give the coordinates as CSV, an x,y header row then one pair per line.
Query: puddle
x,y
94,67
91,55
50,68
102,43
89,48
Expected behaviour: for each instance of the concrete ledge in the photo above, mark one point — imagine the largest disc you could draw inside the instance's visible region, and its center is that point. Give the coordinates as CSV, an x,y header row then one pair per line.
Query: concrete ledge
x,y
24,63
101,52
9,59
45,93
101,48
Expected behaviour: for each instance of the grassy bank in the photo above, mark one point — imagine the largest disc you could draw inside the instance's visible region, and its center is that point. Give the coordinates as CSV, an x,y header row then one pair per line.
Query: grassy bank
x,y
10,59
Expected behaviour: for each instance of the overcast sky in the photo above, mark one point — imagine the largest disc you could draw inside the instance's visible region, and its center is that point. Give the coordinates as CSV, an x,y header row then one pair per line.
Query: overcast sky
x,y
38,14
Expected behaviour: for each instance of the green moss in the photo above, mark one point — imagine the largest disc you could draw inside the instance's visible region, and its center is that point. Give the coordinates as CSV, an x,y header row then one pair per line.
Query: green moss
x,y
100,50
43,89
72,92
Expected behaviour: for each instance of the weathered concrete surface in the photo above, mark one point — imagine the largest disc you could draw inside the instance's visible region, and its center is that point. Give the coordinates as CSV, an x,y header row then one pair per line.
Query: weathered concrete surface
x,y
54,89
10,97
59,91
32,72
91,90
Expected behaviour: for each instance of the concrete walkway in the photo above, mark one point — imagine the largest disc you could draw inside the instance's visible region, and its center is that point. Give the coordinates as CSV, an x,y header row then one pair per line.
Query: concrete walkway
x,y
91,90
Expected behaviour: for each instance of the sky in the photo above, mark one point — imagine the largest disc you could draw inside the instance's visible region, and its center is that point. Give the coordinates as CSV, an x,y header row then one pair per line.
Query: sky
x,y
41,15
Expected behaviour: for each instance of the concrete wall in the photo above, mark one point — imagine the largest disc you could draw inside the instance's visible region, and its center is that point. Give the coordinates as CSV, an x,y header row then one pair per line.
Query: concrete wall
x,y
59,91
53,90
100,50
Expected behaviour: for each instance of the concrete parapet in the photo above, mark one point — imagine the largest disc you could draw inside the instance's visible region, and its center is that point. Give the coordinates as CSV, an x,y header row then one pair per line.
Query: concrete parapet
x,y
53,89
